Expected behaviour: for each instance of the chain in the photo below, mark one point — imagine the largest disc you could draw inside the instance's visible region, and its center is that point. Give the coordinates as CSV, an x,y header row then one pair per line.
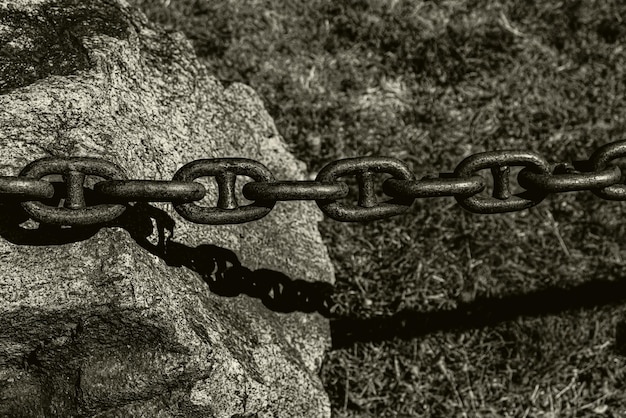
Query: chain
x,y
537,178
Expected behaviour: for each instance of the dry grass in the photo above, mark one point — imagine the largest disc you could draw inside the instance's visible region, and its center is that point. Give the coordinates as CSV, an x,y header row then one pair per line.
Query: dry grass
x,y
430,83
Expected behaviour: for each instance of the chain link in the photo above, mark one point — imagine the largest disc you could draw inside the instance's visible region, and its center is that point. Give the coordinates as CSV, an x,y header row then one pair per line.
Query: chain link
x,y
367,208
225,171
75,210
500,162
600,160
42,201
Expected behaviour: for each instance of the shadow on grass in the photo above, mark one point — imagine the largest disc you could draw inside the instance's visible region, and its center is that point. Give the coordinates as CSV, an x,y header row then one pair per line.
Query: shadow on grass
x,y
482,312
225,276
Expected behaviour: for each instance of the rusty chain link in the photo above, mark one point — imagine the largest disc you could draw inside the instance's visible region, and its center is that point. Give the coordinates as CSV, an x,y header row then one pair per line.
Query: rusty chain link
x,y
537,178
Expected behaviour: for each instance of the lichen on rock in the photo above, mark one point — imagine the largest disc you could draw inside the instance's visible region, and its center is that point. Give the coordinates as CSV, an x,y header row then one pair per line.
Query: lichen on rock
x,y
108,322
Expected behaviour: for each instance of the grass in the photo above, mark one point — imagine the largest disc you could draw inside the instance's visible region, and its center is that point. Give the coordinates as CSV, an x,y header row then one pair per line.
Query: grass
x,y
431,83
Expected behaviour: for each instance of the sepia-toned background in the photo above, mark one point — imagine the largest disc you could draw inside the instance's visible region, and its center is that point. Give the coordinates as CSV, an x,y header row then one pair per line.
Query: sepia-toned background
x,y
431,82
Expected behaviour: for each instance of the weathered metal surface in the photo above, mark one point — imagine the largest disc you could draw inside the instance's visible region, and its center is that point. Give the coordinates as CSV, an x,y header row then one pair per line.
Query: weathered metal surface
x,y
367,208
225,171
434,187
499,163
599,160
24,188
465,185
151,190
569,181
73,170
295,190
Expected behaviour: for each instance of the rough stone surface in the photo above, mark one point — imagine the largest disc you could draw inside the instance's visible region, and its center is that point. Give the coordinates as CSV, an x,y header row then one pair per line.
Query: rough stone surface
x,y
111,322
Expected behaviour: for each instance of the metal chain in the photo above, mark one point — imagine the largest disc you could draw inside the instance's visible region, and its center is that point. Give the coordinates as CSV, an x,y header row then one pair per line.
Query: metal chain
x,y
538,178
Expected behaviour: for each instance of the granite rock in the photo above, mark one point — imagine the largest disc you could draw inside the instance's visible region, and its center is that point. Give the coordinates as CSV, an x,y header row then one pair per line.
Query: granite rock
x,y
123,320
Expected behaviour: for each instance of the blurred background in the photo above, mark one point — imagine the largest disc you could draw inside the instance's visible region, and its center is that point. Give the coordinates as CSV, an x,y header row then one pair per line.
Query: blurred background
x,y
458,314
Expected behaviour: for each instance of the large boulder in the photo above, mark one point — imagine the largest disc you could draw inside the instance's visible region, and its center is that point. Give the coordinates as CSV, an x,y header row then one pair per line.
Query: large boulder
x,y
146,316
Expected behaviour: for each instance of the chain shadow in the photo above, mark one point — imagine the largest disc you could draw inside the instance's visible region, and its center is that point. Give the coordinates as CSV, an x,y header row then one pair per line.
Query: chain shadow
x,y
221,269
224,274
483,312
12,216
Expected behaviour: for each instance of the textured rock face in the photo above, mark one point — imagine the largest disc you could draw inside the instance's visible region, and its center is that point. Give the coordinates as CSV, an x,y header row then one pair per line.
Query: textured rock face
x,y
120,321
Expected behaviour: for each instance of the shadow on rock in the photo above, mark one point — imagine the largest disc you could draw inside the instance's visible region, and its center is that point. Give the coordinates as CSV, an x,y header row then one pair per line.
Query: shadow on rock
x,y
221,269
12,216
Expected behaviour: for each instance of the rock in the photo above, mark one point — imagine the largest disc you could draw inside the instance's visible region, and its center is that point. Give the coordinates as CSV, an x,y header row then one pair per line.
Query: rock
x,y
146,316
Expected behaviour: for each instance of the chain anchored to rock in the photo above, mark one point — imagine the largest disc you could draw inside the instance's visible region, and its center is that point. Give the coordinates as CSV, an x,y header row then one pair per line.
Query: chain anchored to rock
x,y
537,178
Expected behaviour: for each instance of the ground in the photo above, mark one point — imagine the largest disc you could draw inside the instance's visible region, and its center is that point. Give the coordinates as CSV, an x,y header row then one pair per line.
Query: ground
x,y
514,315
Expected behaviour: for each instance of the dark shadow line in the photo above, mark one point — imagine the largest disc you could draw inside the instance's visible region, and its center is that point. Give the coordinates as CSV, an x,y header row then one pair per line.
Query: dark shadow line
x,y
482,312
224,274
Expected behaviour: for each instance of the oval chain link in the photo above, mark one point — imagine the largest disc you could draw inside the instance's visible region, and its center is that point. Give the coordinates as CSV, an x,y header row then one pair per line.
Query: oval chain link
x,y
499,162
367,208
225,171
73,170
